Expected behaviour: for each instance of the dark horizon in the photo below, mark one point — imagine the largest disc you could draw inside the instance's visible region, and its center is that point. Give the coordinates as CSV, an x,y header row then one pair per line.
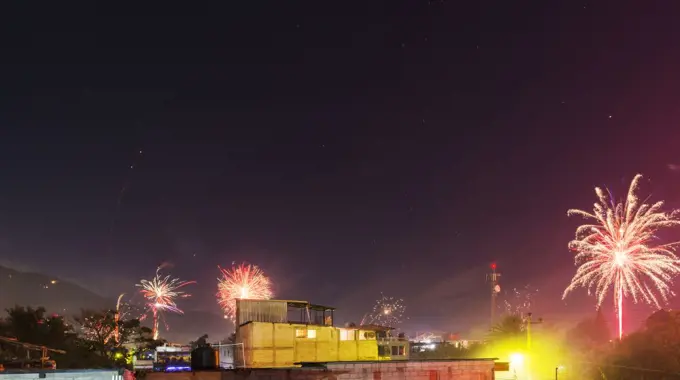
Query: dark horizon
x,y
347,151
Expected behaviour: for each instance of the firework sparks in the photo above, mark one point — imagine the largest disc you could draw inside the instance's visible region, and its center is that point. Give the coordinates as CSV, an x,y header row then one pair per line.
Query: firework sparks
x,y
160,294
116,331
244,281
387,311
617,251
520,301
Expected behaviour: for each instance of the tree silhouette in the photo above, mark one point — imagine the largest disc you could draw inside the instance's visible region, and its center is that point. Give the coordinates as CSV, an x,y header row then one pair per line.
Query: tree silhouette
x,y
511,327
30,325
590,334
97,329
94,349
653,352
202,341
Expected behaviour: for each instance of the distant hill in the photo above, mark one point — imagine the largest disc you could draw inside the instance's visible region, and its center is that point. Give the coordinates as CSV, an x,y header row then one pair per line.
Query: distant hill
x,y
66,298
35,289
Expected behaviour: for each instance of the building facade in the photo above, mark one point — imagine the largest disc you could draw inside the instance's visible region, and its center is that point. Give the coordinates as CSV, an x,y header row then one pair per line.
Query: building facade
x,y
280,333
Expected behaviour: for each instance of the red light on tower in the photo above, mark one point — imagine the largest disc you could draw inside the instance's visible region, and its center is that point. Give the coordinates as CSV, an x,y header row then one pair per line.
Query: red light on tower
x,y
493,266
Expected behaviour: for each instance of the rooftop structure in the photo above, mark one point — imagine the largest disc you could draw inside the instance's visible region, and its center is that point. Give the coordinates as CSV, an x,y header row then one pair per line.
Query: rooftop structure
x,y
284,333
282,311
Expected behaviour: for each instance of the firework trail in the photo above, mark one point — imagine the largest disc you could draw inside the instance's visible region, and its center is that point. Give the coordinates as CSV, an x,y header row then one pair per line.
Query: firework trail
x,y
160,294
387,311
520,301
121,193
617,251
244,281
116,331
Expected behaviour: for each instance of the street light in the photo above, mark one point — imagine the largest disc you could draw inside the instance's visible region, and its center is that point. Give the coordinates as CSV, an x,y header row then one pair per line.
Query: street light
x,y
557,371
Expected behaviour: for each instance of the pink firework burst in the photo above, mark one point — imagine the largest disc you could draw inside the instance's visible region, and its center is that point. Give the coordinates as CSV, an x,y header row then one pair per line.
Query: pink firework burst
x,y
160,294
618,250
244,281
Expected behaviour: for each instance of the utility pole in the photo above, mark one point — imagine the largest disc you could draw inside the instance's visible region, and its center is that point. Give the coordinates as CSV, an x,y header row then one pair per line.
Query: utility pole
x,y
492,278
529,322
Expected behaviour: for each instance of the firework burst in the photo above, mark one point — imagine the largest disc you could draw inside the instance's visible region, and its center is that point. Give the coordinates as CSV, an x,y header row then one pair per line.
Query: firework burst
x,y
387,311
617,251
160,294
244,281
519,301
120,315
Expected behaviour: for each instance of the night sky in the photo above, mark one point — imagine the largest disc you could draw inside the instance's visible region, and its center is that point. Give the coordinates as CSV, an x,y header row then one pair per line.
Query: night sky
x,y
347,148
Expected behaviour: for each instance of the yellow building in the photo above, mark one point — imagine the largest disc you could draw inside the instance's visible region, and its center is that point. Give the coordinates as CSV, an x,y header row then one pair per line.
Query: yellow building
x,y
280,333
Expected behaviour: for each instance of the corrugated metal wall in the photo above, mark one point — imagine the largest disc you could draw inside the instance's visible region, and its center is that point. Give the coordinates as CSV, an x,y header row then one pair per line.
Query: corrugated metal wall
x,y
270,345
261,311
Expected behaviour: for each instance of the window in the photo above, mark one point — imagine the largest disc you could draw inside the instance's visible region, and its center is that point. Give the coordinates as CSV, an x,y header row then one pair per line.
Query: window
x,y
402,350
311,334
300,333
381,351
347,334
395,350
367,335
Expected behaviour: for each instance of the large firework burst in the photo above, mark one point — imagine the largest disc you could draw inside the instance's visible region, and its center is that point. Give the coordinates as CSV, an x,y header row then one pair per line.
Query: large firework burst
x,y
244,281
160,294
387,311
618,251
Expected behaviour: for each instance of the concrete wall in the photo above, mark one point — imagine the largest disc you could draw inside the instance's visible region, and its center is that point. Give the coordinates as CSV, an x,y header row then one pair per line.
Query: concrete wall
x,y
398,370
63,375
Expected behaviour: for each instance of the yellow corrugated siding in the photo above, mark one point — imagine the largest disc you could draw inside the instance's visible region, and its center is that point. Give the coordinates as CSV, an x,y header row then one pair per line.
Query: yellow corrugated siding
x,y
347,350
263,336
367,350
284,336
269,345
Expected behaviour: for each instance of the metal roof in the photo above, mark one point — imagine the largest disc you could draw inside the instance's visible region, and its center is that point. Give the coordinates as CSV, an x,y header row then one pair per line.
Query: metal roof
x,y
305,304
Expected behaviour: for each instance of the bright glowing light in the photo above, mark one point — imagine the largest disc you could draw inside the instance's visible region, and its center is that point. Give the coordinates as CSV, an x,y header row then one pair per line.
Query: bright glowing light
x,y
617,251
516,360
387,311
160,294
245,282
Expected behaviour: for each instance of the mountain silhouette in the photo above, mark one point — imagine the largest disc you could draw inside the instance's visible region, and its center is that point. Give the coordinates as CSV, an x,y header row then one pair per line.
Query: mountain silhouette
x,y
66,298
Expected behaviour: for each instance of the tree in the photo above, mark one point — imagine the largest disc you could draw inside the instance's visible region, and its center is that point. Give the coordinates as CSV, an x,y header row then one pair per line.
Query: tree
x,y
589,334
654,351
144,340
202,341
30,325
97,329
95,348
510,328
104,333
